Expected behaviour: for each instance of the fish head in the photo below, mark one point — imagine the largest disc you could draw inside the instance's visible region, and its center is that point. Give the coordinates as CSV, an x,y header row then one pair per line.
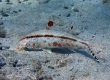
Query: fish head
x,y
23,43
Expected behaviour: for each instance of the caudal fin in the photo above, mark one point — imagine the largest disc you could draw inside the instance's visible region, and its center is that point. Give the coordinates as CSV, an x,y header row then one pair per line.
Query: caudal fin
x,y
93,54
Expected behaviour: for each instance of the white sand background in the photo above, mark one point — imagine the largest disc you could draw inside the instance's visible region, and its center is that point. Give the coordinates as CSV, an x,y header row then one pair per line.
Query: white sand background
x,y
26,16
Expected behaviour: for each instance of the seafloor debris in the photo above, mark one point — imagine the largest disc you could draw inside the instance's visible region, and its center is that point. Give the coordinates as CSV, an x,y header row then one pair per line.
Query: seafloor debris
x,y
43,1
3,78
105,1
3,13
65,7
46,78
1,23
68,15
2,63
15,63
63,63
4,47
51,67
2,32
28,78
75,10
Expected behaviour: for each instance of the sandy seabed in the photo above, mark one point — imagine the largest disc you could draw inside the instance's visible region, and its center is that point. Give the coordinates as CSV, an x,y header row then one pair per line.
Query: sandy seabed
x,y
88,18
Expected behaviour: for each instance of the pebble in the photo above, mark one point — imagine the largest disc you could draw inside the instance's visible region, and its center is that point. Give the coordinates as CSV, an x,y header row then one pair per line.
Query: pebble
x,y
51,67
8,0
0,48
1,23
28,78
105,1
3,78
15,63
4,15
4,47
65,7
45,78
75,10
15,11
43,1
2,63
2,32
68,15
63,63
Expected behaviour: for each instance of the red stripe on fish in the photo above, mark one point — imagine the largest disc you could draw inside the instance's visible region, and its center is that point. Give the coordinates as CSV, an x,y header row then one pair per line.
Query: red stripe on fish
x,y
85,44
47,35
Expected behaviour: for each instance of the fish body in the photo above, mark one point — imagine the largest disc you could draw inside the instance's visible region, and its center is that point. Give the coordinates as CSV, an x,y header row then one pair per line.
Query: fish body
x,y
53,39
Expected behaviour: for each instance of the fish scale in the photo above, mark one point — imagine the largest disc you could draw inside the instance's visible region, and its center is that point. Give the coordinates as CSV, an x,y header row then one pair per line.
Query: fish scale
x,y
54,39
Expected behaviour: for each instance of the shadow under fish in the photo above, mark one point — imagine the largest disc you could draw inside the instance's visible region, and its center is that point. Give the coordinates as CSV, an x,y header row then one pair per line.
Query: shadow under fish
x,y
62,51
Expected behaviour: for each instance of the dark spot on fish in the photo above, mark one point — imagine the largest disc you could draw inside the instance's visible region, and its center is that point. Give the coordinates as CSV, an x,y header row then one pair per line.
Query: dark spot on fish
x,y
49,44
55,43
33,44
50,23
67,44
59,45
